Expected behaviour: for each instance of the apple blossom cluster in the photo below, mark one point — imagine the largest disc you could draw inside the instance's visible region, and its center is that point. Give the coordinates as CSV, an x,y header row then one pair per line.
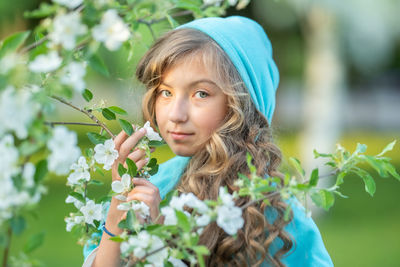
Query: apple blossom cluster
x,y
63,150
18,187
17,111
228,216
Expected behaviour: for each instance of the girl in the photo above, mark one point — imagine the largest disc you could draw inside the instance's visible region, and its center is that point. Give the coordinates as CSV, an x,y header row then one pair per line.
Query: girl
x,y
211,93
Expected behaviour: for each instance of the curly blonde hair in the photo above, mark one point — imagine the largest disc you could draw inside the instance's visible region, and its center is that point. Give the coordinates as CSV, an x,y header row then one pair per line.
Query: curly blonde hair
x,y
244,130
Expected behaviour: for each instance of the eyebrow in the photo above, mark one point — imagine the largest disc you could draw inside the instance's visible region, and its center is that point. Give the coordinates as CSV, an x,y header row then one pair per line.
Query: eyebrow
x,y
194,83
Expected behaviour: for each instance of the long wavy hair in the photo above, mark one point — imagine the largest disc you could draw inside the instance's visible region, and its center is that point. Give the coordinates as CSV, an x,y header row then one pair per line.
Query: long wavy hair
x,y
244,130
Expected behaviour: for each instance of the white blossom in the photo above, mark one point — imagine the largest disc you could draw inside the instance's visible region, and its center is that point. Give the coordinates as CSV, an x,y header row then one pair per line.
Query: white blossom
x,y
106,154
73,75
45,63
64,150
230,219
72,221
8,158
69,3
139,207
112,30
150,133
17,111
227,199
80,172
212,2
122,186
143,244
67,27
28,174
9,62
169,216
176,263
203,220
92,211
77,203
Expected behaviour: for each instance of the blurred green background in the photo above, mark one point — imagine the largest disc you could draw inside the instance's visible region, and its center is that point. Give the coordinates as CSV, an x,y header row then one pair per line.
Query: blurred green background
x,y
340,83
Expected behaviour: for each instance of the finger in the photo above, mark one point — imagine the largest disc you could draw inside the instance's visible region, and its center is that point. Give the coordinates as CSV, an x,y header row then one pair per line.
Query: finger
x,y
143,181
141,163
130,143
137,155
146,198
141,189
119,139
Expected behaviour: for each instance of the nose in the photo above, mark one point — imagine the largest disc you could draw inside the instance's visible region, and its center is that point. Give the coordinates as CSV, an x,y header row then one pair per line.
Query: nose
x,y
179,110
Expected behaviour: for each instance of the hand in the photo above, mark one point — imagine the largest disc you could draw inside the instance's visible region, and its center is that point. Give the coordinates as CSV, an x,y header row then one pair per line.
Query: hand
x,y
148,193
124,145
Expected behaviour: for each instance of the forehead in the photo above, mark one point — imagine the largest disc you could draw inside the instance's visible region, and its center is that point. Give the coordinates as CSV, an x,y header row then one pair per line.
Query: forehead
x,y
195,65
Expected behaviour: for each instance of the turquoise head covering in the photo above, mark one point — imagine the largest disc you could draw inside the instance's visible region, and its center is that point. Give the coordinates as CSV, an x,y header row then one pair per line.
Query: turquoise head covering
x,y
250,51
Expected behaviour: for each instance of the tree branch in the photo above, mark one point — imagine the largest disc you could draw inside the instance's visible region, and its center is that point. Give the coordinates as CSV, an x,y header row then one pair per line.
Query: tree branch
x,y
86,112
51,123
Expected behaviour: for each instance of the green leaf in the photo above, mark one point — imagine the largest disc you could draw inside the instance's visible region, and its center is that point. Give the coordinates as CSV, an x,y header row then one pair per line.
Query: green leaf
x,y
126,126
34,242
116,239
130,219
155,143
376,164
41,171
322,155
45,10
132,168
314,177
323,198
78,196
108,114
183,220
153,170
202,250
118,110
89,152
98,170
18,224
96,182
370,186
97,64
171,21
96,138
391,169
296,164
249,164
13,42
87,95
389,147
340,177
287,213
121,170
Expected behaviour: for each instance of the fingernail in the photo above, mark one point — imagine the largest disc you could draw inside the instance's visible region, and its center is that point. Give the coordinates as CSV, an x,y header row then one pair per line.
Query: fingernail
x,y
147,159
142,130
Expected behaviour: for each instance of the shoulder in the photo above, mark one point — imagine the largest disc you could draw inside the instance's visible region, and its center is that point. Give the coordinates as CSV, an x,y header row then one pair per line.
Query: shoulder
x,y
308,247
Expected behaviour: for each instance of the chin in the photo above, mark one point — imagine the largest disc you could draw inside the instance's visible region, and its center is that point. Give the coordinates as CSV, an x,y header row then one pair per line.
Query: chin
x,y
183,152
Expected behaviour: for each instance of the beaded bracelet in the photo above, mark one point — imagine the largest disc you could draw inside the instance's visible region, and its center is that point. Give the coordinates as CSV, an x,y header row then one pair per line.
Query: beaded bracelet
x,y
105,230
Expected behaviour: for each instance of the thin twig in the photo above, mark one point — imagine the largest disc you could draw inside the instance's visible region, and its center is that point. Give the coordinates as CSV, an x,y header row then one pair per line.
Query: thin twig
x,y
51,123
7,247
87,113
35,44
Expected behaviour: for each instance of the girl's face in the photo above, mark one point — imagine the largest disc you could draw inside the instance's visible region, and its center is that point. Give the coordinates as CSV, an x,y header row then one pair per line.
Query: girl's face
x,y
189,106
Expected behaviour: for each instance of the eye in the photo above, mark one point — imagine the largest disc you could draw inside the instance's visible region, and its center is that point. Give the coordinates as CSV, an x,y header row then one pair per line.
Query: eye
x,y
165,93
201,94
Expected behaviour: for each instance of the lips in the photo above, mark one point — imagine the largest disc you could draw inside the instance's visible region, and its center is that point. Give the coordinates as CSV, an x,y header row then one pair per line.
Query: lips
x,y
180,135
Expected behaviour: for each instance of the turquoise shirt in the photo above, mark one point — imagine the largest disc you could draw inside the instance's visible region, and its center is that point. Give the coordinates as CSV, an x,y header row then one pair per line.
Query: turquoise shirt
x,y
308,248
